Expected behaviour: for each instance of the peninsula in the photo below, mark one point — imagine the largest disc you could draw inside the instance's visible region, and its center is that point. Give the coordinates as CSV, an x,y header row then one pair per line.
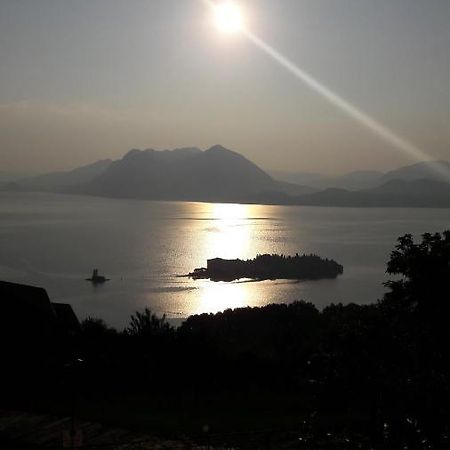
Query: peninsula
x,y
269,267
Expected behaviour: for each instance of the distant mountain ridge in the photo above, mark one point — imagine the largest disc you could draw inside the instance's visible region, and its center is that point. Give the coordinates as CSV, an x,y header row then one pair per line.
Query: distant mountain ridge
x,y
221,175
360,179
10,177
217,174
422,170
63,180
366,179
422,193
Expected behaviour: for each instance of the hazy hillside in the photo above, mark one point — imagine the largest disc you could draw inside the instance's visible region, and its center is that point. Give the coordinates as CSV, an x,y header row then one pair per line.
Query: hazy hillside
x,y
360,179
315,180
216,174
221,175
56,181
418,171
9,177
366,179
421,193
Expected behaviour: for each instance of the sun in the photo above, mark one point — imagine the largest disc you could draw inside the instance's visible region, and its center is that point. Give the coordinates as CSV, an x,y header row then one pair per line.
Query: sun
x,y
228,17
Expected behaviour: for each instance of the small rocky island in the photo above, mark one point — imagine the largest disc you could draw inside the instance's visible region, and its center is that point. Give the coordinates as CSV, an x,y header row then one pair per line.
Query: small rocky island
x,y
269,267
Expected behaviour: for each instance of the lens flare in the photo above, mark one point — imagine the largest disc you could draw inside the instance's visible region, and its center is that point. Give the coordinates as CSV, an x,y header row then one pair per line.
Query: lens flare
x,y
382,131
351,110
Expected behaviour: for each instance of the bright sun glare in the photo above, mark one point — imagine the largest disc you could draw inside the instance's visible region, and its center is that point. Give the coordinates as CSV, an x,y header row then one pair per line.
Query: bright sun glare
x,y
228,17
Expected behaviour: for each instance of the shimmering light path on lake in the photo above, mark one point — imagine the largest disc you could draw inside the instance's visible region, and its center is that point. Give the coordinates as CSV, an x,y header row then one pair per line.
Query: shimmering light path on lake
x,y
54,241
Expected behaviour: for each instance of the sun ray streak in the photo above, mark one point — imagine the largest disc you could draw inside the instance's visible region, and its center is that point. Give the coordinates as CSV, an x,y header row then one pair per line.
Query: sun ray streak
x,y
376,127
363,118
382,131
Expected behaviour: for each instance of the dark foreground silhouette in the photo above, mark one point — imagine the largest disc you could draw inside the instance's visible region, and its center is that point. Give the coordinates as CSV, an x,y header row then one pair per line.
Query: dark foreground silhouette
x,y
282,376
270,267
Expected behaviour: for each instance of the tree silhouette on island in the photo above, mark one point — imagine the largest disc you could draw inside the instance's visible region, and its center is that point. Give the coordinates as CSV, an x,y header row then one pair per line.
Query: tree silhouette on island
x,y
270,267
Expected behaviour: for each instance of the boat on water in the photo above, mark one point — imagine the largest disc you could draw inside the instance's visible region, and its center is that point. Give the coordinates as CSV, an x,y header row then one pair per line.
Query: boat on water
x,y
96,278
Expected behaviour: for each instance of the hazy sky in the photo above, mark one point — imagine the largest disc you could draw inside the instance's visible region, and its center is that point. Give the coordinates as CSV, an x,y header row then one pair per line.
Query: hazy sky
x,y
82,80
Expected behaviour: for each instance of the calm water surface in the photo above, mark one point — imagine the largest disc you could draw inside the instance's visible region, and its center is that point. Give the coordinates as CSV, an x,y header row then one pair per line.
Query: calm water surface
x,y
54,241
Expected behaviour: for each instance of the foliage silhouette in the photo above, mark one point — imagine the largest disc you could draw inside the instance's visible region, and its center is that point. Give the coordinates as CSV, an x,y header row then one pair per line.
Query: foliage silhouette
x,y
148,324
425,271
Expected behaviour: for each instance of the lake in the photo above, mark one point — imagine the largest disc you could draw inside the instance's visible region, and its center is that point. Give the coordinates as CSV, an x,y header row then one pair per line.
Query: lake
x,y
55,241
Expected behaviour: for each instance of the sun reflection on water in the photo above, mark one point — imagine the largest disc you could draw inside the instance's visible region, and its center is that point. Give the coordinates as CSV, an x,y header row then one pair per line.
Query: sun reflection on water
x,y
229,235
219,296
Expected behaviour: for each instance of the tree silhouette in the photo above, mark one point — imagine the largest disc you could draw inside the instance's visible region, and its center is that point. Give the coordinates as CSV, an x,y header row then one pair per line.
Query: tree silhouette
x,y
424,269
148,324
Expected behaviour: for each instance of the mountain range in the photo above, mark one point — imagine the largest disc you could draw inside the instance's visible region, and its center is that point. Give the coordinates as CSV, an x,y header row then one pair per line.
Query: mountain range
x,y
221,175
56,181
364,179
421,193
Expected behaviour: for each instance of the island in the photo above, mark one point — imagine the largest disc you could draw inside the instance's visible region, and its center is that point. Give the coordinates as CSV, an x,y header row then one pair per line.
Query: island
x,y
269,267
